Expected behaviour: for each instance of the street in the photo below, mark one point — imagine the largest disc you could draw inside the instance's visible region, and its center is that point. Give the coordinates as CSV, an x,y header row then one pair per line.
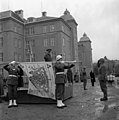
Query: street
x,y
84,105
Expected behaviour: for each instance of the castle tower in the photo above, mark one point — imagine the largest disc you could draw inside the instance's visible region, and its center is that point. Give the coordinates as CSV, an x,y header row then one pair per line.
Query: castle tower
x,y
85,52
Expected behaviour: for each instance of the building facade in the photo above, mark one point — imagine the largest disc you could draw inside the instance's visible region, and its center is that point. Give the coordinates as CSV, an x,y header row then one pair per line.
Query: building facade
x,y
27,40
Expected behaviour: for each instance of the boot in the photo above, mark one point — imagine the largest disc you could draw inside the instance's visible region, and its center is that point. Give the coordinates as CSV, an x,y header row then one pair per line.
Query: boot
x,y
59,104
14,103
10,104
63,104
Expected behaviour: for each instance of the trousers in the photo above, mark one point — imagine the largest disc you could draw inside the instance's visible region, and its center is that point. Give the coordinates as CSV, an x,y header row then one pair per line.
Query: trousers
x,y
60,87
103,87
12,92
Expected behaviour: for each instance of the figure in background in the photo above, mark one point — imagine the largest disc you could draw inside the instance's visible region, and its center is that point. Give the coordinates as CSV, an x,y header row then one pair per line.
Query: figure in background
x,y
60,77
92,77
48,57
102,78
12,82
76,77
70,75
20,77
84,78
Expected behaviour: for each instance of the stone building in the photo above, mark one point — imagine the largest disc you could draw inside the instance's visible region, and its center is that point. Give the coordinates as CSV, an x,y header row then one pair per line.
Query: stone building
x,y
26,40
85,53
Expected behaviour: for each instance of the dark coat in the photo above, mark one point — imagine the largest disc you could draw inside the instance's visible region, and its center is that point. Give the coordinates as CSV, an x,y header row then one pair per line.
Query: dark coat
x,y
11,80
102,73
92,76
60,67
48,57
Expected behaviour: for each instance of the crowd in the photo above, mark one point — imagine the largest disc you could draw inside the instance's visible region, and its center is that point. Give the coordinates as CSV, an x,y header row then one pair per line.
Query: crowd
x,y
15,73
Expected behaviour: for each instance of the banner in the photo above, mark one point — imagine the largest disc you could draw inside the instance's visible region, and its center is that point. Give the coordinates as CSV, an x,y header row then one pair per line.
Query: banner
x,y
41,78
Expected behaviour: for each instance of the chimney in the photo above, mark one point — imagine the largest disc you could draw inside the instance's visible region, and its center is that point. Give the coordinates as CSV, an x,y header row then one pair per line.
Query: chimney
x,y
19,13
44,14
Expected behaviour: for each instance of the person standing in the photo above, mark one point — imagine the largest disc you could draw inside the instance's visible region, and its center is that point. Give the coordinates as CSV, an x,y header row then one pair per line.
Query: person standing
x,y
92,76
60,80
70,75
102,78
12,82
48,57
84,78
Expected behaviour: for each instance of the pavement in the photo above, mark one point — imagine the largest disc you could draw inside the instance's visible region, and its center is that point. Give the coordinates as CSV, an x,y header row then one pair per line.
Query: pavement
x,y
84,105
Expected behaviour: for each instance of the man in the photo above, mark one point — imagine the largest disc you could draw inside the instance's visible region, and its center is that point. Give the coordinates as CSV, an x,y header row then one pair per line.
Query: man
x,y
92,76
12,82
84,78
102,78
60,80
48,57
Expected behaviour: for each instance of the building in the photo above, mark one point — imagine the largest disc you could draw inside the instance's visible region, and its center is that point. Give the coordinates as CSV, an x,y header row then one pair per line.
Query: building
x,y
85,53
27,40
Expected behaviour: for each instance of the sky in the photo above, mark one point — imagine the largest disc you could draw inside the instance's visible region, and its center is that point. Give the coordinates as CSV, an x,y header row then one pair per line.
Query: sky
x,y
99,19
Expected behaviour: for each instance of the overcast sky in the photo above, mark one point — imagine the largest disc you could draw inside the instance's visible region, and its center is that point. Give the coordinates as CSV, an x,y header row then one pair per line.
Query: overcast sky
x,y
99,19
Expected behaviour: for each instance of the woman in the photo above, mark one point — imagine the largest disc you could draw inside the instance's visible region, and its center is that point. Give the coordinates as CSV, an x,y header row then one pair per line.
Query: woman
x,y
12,82
102,78
60,80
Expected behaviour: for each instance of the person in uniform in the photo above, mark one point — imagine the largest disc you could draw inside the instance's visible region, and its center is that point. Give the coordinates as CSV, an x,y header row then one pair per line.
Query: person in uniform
x,y
12,82
92,76
48,57
60,80
70,75
84,78
102,78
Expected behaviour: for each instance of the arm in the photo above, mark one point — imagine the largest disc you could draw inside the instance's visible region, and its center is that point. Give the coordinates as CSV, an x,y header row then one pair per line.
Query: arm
x,y
68,66
6,67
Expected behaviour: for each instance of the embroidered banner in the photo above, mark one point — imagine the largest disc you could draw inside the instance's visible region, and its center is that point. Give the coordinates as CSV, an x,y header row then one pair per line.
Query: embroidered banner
x,y
41,78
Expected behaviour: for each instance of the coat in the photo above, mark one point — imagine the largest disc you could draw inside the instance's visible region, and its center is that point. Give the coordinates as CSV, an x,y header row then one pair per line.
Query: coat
x,y
60,67
12,80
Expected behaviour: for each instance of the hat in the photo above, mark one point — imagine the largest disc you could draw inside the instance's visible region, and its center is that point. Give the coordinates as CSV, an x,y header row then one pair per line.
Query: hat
x,y
48,50
13,62
58,57
101,60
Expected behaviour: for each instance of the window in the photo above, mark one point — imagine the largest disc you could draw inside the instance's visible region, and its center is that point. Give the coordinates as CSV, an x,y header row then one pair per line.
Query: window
x,y
19,57
52,42
1,56
16,57
44,29
19,43
32,30
33,59
33,43
62,28
45,42
63,41
1,27
52,28
15,42
1,42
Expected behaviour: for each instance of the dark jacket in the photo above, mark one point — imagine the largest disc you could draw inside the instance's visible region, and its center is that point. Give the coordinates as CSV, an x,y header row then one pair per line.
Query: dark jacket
x,y
12,80
60,67
47,57
102,73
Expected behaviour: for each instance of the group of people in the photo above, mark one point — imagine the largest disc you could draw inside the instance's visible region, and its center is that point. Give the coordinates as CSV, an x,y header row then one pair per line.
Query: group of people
x,y
15,71
60,76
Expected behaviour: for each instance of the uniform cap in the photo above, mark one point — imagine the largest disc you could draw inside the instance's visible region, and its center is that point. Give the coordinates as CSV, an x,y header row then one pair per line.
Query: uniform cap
x,y
48,49
58,57
13,62
101,60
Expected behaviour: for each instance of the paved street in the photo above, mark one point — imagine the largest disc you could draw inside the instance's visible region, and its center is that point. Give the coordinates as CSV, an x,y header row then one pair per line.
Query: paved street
x,y
85,105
